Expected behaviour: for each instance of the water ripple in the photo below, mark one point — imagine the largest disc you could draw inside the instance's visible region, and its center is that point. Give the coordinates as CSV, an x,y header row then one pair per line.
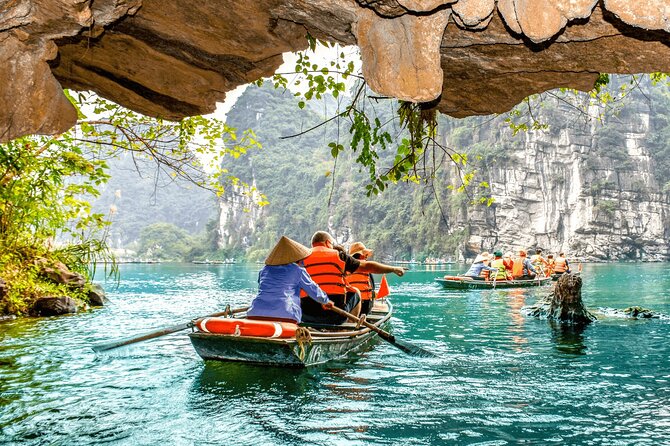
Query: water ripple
x,y
498,378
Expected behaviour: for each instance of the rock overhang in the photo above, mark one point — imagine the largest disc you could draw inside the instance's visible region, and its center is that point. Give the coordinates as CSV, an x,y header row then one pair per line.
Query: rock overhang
x,y
174,59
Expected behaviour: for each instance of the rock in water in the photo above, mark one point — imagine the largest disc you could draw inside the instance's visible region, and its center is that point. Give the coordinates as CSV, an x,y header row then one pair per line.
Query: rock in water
x,y
96,296
54,306
564,304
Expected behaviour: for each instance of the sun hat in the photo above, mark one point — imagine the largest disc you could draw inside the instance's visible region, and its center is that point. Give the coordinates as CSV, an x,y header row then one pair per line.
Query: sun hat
x,y
481,257
287,251
358,247
508,255
497,254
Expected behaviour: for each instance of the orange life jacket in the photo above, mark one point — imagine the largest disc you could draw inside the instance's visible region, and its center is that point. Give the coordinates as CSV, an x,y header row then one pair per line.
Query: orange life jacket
x,y
551,265
561,265
362,282
326,269
499,264
538,262
517,268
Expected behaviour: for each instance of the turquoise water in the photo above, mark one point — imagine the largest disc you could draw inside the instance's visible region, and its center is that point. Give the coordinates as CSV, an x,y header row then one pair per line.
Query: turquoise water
x,y
499,378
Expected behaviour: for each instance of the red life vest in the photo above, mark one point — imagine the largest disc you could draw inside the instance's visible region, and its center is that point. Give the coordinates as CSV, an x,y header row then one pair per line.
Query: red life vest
x,y
326,269
517,268
561,265
362,282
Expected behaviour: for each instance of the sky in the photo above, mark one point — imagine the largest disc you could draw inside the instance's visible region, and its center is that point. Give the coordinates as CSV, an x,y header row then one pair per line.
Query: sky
x,y
322,57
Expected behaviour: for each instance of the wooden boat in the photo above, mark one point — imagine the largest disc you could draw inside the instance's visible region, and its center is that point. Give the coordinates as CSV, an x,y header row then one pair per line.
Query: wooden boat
x,y
327,343
465,283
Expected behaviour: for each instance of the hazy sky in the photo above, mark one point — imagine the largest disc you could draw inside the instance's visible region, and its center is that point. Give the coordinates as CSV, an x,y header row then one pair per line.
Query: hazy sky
x,y
322,56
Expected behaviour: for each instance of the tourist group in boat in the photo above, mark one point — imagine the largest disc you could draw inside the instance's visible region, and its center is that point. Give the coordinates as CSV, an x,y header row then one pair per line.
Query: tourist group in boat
x,y
300,284
499,266
320,288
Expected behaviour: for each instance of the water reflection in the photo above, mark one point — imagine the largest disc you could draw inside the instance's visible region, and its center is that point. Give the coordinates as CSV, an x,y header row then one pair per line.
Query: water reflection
x,y
516,300
568,338
241,380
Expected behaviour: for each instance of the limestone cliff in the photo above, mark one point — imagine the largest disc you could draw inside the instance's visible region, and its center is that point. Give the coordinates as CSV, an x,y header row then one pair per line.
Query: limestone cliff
x,y
595,190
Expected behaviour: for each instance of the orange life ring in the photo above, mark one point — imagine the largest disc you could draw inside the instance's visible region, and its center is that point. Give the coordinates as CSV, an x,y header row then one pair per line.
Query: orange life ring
x,y
247,327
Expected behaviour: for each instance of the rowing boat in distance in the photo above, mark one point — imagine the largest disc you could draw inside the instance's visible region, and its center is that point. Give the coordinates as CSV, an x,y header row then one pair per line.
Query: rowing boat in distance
x,y
468,283
311,345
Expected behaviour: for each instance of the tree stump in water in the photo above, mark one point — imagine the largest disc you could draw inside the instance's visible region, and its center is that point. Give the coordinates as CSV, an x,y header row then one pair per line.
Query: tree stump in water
x,y
564,304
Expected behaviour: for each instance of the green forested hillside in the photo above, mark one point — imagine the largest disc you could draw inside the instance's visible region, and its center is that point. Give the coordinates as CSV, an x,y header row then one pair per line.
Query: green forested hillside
x,y
140,200
297,176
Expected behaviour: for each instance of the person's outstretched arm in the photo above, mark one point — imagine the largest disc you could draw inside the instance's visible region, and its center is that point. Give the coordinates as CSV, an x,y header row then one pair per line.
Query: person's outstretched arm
x,y
370,266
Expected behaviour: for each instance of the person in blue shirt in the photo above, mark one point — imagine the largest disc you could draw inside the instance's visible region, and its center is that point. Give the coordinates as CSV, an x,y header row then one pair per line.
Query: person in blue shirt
x,y
280,282
478,266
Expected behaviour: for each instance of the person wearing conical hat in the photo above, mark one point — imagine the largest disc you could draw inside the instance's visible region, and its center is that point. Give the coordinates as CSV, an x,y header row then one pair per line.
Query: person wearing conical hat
x,y
479,266
328,265
280,282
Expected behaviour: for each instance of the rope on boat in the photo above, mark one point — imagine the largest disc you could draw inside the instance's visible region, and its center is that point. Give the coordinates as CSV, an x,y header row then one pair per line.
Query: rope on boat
x,y
302,336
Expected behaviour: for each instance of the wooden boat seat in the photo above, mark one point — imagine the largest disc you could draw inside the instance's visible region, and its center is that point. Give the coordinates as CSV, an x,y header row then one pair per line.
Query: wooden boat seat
x,y
347,326
380,307
341,327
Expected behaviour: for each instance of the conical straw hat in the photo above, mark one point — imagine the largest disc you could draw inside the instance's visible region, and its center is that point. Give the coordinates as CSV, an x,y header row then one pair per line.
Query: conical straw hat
x,y
287,251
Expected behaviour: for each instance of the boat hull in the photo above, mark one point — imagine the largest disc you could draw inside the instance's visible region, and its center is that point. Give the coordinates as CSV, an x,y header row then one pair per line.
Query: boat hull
x,y
325,346
484,285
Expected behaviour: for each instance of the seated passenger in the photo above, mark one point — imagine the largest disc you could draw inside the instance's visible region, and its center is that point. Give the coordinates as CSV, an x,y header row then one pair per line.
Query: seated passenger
x,y
280,282
328,267
478,266
499,266
551,264
364,282
509,265
561,266
539,263
523,268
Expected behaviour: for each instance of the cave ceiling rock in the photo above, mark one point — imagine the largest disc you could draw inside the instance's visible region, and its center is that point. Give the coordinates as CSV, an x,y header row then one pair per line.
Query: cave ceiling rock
x,y
401,56
648,14
173,59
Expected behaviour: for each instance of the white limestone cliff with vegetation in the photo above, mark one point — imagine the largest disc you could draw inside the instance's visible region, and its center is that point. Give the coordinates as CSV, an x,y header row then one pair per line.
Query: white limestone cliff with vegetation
x,y
597,189
593,189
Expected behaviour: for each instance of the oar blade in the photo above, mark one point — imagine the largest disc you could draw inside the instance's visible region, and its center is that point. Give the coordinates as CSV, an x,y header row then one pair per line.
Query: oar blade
x,y
413,350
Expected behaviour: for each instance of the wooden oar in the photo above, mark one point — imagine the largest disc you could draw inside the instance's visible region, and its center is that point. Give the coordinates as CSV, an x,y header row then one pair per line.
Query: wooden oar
x,y
160,332
388,337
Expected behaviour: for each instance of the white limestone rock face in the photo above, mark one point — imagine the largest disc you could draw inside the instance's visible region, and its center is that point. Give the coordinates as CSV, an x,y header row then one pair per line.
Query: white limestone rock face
x,y
554,192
